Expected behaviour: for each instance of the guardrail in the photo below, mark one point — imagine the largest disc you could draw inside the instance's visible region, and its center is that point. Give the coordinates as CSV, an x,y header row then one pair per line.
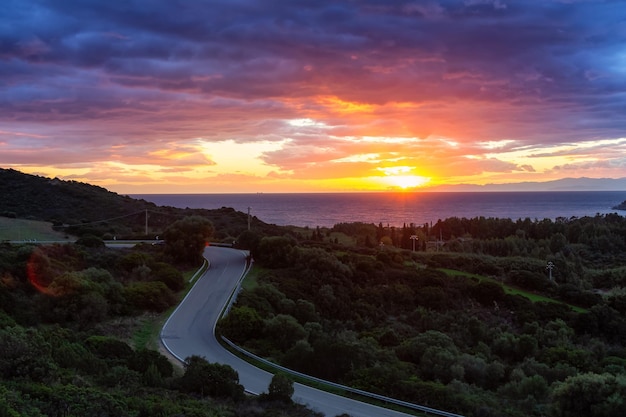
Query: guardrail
x,y
418,407
412,406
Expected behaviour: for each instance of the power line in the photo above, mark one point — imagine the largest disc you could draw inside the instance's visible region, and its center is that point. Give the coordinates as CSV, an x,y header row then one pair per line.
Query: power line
x,y
144,211
102,221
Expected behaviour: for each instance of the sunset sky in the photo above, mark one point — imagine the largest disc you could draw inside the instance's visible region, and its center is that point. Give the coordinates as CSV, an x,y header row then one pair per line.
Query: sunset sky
x,y
194,96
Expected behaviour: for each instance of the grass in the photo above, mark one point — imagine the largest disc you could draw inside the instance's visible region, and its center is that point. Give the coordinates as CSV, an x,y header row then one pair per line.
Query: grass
x,y
339,237
342,239
28,230
508,289
147,333
251,280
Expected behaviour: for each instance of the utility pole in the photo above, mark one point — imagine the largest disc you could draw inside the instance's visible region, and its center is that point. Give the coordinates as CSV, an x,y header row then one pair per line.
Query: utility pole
x,y
248,218
146,222
550,267
440,241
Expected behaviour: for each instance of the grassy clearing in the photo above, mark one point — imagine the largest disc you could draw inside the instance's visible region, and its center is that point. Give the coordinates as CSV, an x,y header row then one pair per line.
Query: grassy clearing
x,y
147,333
251,280
342,239
335,237
512,290
28,230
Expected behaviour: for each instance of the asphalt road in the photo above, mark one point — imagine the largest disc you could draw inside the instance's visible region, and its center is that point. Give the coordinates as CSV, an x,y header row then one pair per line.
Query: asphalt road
x,y
190,331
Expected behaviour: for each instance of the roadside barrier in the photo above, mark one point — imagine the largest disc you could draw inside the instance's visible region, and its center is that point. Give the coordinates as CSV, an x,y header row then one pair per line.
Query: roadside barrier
x,y
226,309
389,400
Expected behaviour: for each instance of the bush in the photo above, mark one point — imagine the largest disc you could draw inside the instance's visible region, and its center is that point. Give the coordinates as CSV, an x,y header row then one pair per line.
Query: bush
x,y
154,296
487,293
528,280
90,241
210,379
281,388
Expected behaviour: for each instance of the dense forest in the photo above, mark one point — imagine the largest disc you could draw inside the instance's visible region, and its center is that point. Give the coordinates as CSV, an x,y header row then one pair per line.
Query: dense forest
x,y
482,316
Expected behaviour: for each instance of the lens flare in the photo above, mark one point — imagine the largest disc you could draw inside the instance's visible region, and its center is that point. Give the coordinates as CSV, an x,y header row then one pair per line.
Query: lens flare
x,y
38,272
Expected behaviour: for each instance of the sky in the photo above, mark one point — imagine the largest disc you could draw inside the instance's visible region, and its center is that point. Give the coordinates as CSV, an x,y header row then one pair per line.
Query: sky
x,y
199,96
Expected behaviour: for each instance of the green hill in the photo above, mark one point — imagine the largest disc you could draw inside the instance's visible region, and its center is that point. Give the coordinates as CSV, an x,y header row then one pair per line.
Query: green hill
x,y
27,230
78,208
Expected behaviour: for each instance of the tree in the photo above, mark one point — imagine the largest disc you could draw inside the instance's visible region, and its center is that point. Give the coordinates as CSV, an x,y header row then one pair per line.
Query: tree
x,y
143,359
212,379
90,241
281,388
168,275
486,292
109,348
275,251
186,239
241,324
24,353
284,330
249,240
154,296
591,395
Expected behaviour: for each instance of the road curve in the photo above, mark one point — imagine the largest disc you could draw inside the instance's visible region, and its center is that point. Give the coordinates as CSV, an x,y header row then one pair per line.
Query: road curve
x,y
190,331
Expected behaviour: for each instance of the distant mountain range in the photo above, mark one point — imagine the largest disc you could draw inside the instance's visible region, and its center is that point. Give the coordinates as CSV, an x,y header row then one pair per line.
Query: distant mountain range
x,y
565,184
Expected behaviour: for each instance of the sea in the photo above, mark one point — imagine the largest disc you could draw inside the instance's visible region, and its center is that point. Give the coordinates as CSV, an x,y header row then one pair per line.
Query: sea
x,y
399,208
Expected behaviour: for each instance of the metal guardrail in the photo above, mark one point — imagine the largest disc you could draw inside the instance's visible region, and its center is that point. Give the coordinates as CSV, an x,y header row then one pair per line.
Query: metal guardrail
x,y
372,395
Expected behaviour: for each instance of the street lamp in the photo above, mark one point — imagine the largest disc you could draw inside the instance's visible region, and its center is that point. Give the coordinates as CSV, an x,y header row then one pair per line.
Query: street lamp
x,y
414,238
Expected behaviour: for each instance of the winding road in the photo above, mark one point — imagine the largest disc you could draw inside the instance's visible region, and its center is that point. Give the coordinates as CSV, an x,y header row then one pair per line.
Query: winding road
x,y
190,331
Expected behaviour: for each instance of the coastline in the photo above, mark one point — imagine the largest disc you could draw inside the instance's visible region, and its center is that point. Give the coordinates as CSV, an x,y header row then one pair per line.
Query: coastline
x,y
396,209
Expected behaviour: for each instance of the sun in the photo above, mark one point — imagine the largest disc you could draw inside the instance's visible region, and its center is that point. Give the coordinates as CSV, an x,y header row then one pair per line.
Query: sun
x,y
401,177
408,181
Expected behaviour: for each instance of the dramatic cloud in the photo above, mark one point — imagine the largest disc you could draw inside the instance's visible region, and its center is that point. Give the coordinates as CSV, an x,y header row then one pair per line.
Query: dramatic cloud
x,y
144,96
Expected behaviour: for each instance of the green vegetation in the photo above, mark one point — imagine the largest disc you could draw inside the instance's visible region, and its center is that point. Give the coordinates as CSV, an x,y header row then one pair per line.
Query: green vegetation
x,y
471,325
79,321
146,335
77,337
12,229
78,209
468,321
511,290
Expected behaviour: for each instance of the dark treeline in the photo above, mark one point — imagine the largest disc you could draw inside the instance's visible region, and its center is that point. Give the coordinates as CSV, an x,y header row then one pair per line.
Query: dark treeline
x,y
605,233
598,241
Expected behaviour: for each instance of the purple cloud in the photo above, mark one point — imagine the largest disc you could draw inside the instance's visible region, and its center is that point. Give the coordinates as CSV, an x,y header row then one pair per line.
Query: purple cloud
x,y
92,74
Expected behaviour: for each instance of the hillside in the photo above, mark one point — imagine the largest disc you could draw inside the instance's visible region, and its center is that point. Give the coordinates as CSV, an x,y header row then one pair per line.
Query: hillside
x,y
43,198
80,208
26,230
495,318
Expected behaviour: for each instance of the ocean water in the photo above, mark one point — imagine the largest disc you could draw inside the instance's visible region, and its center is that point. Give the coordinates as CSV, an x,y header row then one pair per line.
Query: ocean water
x,y
396,209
